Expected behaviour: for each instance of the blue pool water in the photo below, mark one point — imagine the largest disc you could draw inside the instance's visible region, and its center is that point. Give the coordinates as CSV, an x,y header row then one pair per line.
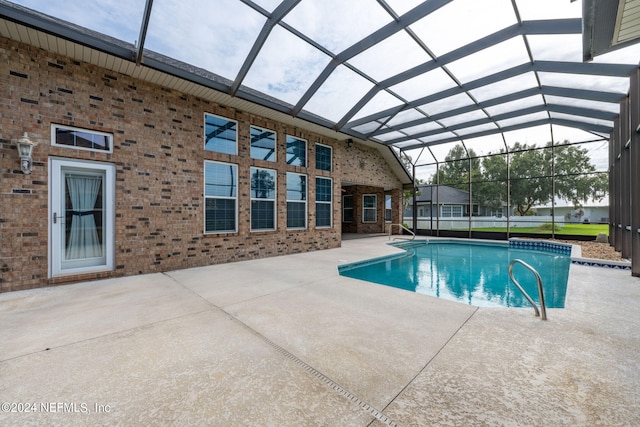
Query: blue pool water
x,y
475,274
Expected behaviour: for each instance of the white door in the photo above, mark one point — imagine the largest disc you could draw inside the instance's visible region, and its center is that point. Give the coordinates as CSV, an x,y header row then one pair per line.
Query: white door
x,y
81,216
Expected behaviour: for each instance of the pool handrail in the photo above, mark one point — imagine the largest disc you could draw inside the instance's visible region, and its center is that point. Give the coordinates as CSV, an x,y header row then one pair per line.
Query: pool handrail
x,y
413,235
543,310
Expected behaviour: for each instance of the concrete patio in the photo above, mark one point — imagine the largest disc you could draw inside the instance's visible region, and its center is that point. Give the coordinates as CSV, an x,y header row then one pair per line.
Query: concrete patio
x,y
286,341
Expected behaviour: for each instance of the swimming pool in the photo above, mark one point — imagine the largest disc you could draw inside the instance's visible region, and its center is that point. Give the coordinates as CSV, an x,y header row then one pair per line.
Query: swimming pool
x,y
472,272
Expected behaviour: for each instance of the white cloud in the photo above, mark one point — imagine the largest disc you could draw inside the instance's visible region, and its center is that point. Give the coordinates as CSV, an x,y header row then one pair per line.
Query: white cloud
x,y
549,9
337,24
398,53
556,47
218,36
112,17
462,22
286,66
336,96
382,101
214,36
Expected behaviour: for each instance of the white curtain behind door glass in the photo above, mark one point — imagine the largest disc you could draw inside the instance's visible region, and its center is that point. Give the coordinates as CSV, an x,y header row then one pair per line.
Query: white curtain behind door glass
x,y
83,237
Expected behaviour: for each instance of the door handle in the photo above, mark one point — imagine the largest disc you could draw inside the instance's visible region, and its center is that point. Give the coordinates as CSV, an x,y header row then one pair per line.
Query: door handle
x,y
55,217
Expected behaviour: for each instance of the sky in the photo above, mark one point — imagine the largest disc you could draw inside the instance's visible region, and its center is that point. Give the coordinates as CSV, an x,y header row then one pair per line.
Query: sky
x,y
218,35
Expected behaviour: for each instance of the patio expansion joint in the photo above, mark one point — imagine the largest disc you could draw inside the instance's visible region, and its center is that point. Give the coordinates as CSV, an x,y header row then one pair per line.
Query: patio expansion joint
x,y
426,365
270,294
377,414
97,337
326,380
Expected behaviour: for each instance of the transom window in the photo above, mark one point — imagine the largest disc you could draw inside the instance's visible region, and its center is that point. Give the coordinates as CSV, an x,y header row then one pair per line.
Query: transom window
x,y
263,144
220,197
220,134
82,139
369,208
347,208
263,199
296,200
296,151
324,194
323,157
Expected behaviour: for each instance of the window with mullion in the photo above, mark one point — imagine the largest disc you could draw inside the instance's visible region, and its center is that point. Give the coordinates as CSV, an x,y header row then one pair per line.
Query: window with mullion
x,y
263,199
296,151
221,200
324,195
82,139
323,157
263,144
296,201
347,208
220,134
369,208
387,208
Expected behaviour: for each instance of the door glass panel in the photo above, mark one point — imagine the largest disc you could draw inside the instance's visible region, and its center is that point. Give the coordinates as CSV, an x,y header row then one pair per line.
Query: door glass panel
x,y
83,244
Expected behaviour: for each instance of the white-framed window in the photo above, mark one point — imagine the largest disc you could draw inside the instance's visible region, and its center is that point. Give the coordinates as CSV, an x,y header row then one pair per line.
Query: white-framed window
x,y
324,157
347,208
369,208
388,213
296,201
324,202
263,199
82,139
296,151
220,197
263,144
451,211
220,134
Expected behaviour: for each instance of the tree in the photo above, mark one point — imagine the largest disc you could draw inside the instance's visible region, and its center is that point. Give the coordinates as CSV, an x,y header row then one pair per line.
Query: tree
x,y
407,195
530,173
262,183
575,177
492,192
457,167
577,181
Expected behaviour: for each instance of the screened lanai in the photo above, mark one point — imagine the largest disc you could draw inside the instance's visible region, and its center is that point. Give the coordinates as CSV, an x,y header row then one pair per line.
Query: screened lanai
x,y
408,74
451,86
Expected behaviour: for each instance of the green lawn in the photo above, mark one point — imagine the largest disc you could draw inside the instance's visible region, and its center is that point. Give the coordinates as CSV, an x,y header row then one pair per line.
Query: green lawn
x,y
571,229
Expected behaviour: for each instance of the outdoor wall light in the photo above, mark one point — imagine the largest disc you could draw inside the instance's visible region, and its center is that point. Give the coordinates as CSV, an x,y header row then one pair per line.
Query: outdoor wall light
x,y
349,143
25,150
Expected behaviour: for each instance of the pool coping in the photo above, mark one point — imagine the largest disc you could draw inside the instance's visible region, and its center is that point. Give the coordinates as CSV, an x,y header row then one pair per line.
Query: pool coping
x,y
573,251
286,341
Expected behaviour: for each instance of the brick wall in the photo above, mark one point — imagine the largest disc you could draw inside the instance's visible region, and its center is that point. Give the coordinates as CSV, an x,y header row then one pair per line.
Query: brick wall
x,y
362,165
159,158
358,225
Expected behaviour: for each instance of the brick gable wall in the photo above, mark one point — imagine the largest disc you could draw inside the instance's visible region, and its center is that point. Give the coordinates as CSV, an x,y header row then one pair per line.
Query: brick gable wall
x,y
159,157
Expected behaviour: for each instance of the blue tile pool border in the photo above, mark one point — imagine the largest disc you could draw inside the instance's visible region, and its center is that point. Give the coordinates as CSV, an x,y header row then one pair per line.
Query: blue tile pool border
x,y
517,243
541,246
592,262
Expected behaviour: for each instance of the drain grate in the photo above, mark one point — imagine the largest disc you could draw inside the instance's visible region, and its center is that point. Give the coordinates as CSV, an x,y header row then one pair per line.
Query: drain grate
x,y
326,380
330,383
